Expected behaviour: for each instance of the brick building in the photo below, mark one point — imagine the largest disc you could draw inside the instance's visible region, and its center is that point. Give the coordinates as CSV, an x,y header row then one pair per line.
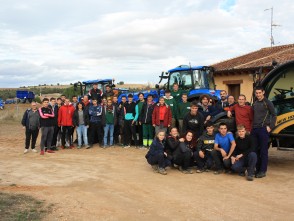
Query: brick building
x,y
237,75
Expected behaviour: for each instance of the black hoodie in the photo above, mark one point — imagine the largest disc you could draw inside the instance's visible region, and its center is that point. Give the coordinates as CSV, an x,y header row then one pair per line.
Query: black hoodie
x,y
205,142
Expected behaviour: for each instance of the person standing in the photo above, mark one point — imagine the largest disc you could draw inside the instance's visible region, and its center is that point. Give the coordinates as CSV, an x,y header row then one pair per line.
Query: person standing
x,y
31,124
176,93
223,102
95,114
109,120
116,126
81,122
129,122
243,113
171,102
47,126
183,109
161,116
146,121
55,109
108,92
194,121
121,122
139,106
65,122
264,119
95,93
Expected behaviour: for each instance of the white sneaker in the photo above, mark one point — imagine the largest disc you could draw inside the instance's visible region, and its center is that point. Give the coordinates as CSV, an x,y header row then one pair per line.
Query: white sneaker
x,y
26,151
34,150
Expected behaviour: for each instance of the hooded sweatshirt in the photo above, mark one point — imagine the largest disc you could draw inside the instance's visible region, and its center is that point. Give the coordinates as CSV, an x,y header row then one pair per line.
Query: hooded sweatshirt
x,y
205,142
171,102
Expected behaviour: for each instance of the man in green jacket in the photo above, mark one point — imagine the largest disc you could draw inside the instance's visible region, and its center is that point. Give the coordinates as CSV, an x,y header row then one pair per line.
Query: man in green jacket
x,y
183,108
171,102
176,92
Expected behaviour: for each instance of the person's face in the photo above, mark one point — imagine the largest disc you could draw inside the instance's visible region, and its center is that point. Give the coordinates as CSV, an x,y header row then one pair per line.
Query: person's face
x,y
130,99
80,106
161,101
210,102
63,98
94,102
174,132
259,94
241,100
34,105
242,133
223,130
104,101
210,130
161,136
45,103
124,99
176,87
204,101
114,99
74,99
85,99
107,89
231,99
194,110
150,99
66,102
167,95
223,95
109,102
59,101
53,102
184,98
141,97
95,86
189,136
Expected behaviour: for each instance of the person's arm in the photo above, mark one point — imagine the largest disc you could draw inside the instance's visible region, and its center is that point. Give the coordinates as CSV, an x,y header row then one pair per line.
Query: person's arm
x,y
217,148
59,117
201,122
50,115
154,117
273,115
41,114
86,116
169,116
172,143
137,113
184,128
24,118
231,109
233,145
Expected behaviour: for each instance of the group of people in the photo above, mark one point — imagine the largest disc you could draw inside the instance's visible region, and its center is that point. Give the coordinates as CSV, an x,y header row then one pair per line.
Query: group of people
x,y
177,132
196,141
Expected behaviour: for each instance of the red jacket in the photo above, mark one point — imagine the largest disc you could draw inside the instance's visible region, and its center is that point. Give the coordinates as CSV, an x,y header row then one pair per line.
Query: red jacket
x,y
65,115
167,117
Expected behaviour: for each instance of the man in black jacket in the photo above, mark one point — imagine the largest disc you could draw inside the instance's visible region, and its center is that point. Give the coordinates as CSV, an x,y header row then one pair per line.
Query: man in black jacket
x,y
31,123
53,105
95,93
205,145
244,154
193,121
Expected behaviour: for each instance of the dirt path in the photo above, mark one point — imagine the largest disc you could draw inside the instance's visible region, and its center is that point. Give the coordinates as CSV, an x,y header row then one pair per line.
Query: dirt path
x,y
117,184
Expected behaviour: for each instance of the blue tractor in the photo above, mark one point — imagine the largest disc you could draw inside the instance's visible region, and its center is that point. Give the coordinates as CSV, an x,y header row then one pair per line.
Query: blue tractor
x,y
24,96
195,81
85,86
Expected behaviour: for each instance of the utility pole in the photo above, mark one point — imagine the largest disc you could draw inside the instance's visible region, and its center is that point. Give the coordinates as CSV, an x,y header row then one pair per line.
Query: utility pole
x,y
272,25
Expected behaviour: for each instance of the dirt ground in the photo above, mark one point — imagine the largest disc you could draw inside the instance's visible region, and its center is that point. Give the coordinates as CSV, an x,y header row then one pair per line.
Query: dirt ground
x,y
118,184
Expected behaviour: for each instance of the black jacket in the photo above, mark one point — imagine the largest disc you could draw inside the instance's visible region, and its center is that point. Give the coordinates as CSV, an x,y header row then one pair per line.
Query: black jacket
x,y
244,146
205,142
26,121
95,94
171,144
75,118
146,113
194,123
103,120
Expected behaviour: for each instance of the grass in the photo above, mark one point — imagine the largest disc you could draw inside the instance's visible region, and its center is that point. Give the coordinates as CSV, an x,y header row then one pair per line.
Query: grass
x,y
19,207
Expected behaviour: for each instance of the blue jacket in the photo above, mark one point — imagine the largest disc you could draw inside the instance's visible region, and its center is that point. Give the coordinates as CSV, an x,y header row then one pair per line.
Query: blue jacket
x,y
156,148
95,113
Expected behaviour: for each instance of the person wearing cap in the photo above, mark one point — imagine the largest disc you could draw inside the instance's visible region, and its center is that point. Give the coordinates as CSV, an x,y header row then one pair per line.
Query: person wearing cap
x,y
146,121
130,122
95,93
171,102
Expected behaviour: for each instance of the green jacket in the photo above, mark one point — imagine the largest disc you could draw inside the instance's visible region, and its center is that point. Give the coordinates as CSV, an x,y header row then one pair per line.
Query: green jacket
x,y
183,109
173,105
177,95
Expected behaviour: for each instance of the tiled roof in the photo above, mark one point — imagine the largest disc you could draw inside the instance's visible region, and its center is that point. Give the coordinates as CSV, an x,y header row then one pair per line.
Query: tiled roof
x,y
260,58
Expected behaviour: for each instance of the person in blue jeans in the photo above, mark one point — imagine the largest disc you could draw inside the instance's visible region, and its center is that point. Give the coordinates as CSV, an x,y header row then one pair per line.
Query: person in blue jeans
x,y
244,156
81,122
109,120
224,146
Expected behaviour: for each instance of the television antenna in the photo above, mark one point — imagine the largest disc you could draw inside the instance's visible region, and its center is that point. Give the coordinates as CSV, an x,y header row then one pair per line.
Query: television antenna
x,y
272,25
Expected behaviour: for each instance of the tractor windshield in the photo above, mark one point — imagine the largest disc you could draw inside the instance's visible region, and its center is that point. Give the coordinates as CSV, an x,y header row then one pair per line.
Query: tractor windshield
x,y
192,79
88,87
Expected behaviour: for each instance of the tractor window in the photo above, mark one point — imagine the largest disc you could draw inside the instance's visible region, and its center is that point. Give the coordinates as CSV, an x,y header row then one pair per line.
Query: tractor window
x,y
183,78
280,91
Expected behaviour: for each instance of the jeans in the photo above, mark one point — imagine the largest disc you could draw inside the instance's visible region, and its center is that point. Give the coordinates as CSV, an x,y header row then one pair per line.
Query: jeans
x,y
108,128
262,136
66,133
219,162
159,159
248,161
31,134
82,131
203,162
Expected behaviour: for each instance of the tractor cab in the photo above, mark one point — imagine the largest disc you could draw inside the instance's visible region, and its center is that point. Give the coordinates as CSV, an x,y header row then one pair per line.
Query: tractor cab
x,y
195,81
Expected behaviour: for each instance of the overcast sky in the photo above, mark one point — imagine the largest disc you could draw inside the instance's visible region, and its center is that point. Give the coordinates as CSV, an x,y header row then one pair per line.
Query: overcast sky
x,y
66,41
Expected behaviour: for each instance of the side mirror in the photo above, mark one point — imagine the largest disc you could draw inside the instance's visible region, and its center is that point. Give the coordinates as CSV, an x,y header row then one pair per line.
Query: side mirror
x,y
156,86
75,86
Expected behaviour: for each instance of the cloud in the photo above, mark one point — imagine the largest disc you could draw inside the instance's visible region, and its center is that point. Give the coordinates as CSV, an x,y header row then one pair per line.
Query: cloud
x,y
133,41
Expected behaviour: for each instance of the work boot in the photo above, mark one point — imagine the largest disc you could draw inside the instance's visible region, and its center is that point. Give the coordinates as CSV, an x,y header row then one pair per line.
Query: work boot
x,y
260,175
162,171
155,168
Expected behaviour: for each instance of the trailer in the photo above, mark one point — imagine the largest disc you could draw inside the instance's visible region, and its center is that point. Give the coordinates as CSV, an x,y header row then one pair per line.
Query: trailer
x,y
25,96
